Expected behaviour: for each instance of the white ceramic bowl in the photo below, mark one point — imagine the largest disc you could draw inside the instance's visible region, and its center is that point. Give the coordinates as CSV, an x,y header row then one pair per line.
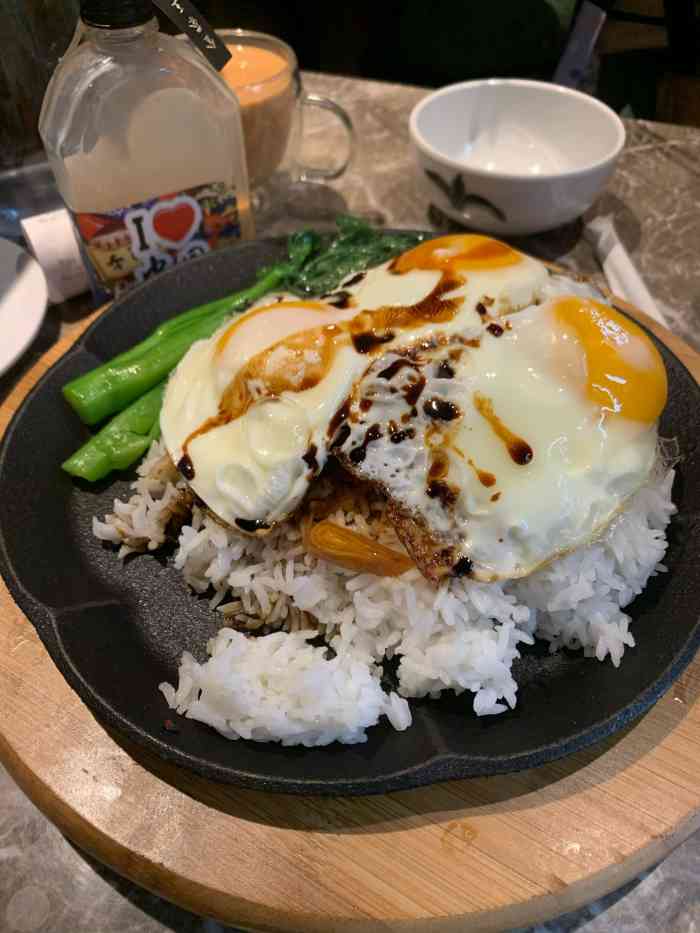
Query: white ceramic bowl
x,y
514,156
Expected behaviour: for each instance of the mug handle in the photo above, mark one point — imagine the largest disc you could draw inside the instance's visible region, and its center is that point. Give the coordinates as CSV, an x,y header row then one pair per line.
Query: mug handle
x,y
307,172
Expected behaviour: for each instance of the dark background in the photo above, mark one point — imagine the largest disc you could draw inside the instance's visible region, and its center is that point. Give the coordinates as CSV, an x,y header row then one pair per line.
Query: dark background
x,y
428,42
437,42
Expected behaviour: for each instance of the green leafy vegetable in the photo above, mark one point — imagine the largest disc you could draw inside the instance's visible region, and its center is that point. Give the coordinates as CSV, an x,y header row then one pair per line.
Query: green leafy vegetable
x,y
356,247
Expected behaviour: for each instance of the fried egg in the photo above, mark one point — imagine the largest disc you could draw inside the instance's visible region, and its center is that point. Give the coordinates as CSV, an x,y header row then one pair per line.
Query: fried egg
x,y
506,415
249,413
503,453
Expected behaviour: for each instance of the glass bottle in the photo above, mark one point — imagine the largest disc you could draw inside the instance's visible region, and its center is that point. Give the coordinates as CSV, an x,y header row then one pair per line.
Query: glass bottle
x,y
146,144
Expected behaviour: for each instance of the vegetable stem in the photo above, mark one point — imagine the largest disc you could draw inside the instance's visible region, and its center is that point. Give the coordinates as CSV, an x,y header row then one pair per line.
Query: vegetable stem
x,y
121,441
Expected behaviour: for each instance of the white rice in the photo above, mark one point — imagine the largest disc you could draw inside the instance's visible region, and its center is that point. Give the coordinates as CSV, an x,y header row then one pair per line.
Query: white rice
x,y
280,687
462,636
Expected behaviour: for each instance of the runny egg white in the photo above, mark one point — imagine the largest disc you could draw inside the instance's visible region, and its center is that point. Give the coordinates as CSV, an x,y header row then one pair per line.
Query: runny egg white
x,y
505,425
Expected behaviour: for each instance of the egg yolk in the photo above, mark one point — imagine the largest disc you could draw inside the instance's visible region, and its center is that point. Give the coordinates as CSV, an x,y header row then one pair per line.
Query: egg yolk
x,y
278,306
460,252
625,373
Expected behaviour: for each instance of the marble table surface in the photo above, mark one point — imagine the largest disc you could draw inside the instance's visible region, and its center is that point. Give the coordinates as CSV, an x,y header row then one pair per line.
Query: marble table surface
x,y
48,886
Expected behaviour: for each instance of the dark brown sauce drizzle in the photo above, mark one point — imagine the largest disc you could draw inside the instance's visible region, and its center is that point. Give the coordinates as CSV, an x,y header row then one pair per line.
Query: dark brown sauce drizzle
x,y
495,329
439,466
355,279
251,525
495,497
462,568
358,454
340,300
413,392
186,467
434,308
369,331
366,404
481,309
339,417
436,489
441,409
444,370
397,436
342,435
365,343
519,450
393,368
485,478
309,458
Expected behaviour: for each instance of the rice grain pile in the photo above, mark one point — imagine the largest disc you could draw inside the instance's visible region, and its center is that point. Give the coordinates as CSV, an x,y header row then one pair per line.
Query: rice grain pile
x,y
314,676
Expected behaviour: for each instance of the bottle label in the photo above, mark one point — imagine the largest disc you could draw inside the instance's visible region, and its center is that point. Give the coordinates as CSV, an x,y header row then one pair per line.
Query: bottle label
x,y
131,245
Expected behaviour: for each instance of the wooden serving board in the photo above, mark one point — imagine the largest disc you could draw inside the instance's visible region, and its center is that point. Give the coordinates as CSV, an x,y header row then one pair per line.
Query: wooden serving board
x,y
480,854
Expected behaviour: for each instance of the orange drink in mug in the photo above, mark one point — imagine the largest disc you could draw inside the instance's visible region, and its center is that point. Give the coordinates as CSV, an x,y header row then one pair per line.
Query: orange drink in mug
x,y
264,74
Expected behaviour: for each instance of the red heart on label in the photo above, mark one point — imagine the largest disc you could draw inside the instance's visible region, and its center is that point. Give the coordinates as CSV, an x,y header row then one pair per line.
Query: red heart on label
x,y
174,223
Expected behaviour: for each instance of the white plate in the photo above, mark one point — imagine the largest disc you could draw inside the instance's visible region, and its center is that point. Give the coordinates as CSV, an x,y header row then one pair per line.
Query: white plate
x,y
23,297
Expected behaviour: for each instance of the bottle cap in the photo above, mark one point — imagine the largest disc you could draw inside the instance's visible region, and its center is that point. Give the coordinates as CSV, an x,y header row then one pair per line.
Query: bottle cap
x,y
116,14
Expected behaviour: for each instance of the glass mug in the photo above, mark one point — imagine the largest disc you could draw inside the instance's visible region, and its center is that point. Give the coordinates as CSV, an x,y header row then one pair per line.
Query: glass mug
x,y
264,74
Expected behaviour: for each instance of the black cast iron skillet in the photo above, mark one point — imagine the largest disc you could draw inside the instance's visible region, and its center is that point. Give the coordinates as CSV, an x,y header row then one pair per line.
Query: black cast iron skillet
x,y
116,630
